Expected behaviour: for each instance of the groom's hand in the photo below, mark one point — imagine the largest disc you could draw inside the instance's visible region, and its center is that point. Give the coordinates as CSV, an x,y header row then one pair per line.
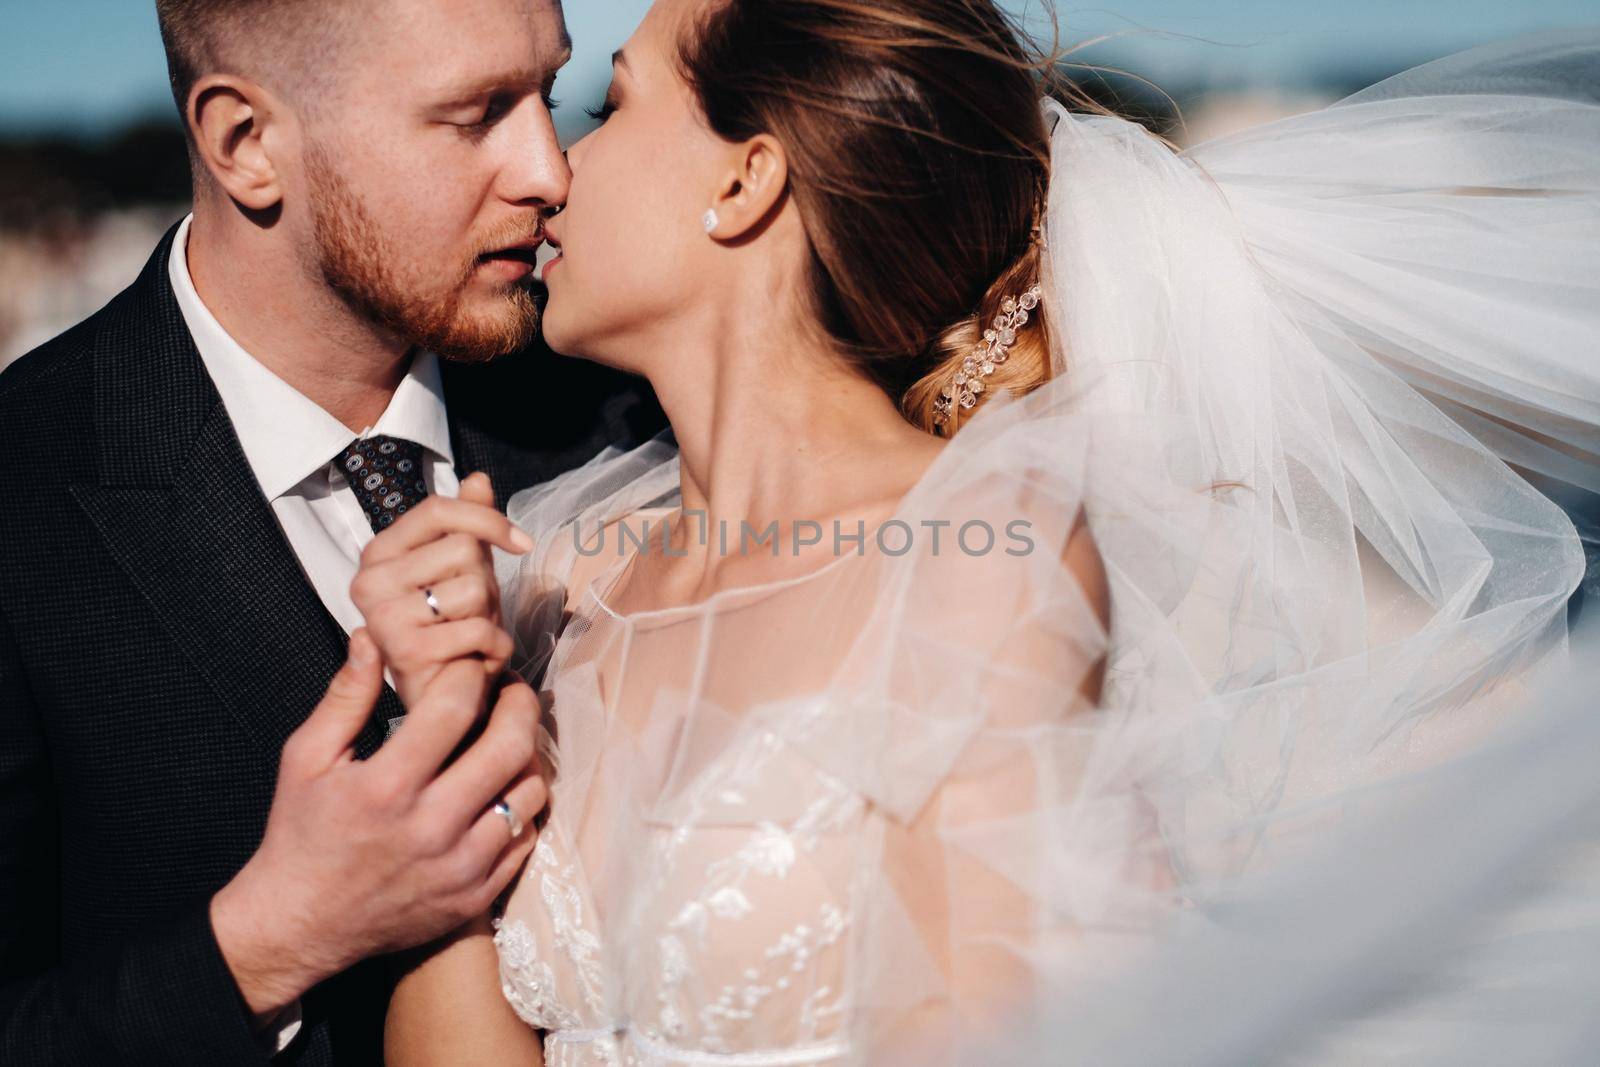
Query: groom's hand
x,y
361,858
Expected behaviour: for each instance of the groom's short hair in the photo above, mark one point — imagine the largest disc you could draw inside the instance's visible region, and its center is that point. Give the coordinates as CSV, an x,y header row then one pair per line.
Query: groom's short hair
x,y
206,36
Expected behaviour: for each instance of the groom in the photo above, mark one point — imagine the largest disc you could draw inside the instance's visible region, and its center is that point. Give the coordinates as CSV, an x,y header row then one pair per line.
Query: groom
x,y
181,529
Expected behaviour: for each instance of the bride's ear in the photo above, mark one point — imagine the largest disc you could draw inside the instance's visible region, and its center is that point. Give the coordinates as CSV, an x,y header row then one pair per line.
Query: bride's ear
x,y
752,188
234,123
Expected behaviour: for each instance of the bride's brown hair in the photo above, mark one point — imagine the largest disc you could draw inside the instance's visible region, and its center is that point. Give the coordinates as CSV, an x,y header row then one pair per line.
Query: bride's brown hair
x,y
918,159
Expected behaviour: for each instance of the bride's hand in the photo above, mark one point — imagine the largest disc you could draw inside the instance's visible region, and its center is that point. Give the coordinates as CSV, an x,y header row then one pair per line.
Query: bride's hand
x,y
440,548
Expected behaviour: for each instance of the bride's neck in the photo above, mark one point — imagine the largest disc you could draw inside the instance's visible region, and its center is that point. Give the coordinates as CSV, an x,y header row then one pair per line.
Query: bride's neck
x,y
773,426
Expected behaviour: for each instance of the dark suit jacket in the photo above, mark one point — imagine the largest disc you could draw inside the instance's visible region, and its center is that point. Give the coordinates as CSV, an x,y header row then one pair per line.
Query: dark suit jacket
x,y
158,643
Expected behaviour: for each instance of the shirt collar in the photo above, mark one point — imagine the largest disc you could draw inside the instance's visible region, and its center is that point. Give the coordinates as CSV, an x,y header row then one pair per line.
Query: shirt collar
x,y
285,435
417,411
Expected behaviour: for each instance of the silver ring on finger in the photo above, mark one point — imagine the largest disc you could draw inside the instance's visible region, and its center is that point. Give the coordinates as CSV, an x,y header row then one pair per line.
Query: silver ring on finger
x,y
505,811
433,603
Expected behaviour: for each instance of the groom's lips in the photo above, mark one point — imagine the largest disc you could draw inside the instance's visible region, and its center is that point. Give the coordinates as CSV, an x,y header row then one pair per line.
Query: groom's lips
x,y
515,261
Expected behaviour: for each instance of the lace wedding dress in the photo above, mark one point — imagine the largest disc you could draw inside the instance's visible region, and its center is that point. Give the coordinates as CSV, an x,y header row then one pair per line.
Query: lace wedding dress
x,y
883,808
761,801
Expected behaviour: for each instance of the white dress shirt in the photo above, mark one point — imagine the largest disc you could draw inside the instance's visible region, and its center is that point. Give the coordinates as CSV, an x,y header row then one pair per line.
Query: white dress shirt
x,y
290,444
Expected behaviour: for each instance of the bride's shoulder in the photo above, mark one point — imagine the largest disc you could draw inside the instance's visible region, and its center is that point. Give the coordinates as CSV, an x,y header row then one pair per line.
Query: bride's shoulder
x,y
1024,562
1017,576
1013,491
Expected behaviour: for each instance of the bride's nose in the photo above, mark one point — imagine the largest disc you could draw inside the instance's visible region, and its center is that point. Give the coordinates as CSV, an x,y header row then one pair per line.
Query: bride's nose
x,y
577,150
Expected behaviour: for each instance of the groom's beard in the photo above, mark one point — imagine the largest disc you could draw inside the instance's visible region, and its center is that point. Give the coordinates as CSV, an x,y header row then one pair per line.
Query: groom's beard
x,y
359,262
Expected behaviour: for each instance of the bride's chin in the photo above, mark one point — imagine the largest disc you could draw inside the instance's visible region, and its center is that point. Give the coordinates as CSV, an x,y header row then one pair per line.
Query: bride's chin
x,y
559,337
569,330
563,341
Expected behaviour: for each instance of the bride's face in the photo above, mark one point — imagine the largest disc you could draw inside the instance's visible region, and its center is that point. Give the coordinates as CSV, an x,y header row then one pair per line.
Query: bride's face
x,y
634,255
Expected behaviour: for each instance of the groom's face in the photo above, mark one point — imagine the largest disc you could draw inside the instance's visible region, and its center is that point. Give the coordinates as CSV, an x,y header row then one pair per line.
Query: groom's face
x,y
430,167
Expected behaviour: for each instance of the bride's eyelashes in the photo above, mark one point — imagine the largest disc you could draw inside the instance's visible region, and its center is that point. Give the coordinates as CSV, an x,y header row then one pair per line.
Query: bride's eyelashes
x,y
604,111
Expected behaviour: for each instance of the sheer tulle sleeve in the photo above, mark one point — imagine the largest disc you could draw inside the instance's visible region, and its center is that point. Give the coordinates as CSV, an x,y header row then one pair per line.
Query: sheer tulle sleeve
x,y
1017,842
565,517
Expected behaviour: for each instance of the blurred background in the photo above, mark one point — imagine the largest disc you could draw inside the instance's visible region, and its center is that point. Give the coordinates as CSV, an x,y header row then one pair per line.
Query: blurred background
x,y
92,165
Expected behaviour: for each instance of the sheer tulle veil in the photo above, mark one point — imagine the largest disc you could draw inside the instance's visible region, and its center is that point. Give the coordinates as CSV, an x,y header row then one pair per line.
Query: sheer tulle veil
x,y
1346,323
1295,368
1355,321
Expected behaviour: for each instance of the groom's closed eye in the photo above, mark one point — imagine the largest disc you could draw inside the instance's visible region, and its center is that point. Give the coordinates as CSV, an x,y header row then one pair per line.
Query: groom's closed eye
x,y
494,109
480,105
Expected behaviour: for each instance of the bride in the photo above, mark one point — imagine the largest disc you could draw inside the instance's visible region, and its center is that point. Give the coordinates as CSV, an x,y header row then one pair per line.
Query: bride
x,y
1053,527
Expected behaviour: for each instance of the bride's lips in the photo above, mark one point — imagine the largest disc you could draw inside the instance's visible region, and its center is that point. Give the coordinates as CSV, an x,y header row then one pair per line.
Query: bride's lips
x,y
554,242
514,262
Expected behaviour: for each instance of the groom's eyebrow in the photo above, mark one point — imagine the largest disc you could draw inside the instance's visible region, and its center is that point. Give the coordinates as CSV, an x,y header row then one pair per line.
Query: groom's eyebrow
x,y
528,79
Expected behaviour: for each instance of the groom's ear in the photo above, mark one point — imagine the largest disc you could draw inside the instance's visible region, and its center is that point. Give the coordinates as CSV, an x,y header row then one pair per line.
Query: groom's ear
x,y
236,124
753,188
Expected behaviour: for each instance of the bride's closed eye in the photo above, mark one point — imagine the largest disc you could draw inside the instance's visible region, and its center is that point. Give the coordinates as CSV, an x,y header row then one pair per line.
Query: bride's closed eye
x,y
604,111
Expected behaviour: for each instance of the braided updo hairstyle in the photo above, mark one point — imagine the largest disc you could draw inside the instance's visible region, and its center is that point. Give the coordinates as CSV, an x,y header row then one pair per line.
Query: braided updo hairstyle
x,y
919,162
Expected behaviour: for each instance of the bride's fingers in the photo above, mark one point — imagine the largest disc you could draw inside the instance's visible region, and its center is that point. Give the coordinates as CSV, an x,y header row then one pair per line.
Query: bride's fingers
x,y
477,489
465,596
421,568
441,516
416,648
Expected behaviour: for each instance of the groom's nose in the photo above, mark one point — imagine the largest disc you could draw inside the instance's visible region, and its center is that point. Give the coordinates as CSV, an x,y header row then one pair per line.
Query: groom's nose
x,y
534,168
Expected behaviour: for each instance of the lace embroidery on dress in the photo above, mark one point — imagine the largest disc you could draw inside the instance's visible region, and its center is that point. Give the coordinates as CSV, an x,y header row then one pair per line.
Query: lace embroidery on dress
x,y
769,852
563,900
527,980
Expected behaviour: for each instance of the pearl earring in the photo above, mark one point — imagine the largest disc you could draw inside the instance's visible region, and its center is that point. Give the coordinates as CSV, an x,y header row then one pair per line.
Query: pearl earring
x,y
710,220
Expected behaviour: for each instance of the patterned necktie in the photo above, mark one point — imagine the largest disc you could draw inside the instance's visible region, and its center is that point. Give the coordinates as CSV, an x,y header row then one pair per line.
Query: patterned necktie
x,y
386,475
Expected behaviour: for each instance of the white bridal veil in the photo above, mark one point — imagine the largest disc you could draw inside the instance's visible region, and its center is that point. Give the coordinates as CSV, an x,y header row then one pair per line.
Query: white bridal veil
x,y
1336,320
1457,927
1293,367
1419,269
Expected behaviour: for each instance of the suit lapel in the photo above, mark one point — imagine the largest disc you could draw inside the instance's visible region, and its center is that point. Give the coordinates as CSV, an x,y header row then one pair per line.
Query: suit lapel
x,y
179,509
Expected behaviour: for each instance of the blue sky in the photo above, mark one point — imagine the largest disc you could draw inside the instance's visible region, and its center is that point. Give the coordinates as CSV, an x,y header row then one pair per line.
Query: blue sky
x,y
89,66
